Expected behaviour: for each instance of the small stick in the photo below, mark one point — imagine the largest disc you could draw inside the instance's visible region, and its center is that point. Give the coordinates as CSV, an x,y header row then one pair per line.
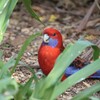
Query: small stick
x,y
86,18
97,3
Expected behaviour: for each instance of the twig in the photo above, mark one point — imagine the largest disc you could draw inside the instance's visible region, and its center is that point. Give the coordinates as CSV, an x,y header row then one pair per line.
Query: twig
x,y
86,18
75,13
97,3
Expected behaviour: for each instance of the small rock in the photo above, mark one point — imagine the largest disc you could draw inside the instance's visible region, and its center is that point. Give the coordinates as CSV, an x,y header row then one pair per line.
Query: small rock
x,y
25,30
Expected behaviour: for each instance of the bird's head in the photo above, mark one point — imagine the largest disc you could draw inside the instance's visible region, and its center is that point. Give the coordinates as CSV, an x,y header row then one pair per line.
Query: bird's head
x,y
52,37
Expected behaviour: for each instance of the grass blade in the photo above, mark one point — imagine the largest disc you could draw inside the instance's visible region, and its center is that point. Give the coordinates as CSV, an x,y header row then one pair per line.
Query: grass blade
x,y
94,98
2,97
84,95
5,67
21,52
1,54
67,57
6,8
77,77
27,4
8,83
96,53
63,61
4,83
24,89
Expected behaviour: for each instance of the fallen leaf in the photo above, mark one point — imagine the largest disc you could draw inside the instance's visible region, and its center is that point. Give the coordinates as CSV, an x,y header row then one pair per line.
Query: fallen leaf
x,y
52,18
90,37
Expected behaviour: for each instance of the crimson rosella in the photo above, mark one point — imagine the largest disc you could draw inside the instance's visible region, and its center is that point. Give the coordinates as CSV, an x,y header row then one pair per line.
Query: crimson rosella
x,y
51,48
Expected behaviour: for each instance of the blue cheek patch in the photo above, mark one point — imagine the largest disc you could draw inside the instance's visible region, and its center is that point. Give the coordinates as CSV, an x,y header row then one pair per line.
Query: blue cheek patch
x,y
53,42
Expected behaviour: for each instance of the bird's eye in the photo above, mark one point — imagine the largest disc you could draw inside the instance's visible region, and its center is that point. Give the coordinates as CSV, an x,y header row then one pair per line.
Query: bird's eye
x,y
54,34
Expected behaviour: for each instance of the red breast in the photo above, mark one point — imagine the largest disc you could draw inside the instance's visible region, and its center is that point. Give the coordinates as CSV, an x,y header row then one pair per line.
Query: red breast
x,y
47,57
48,54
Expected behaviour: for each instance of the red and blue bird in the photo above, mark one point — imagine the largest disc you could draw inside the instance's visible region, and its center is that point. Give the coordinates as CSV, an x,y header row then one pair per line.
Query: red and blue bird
x,y
51,48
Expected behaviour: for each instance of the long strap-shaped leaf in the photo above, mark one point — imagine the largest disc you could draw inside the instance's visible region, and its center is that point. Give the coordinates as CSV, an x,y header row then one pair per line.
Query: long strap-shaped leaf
x,y
1,54
63,61
6,67
23,90
84,95
21,52
94,98
67,57
77,77
6,8
27,4
5,82
82,74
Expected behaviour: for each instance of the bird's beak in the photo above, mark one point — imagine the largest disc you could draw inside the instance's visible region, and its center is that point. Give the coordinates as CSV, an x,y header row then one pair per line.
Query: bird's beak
x,y
46,38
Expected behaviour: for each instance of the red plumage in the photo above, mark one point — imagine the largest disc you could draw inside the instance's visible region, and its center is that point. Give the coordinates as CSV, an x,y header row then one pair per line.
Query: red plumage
x,y
47,55
51,48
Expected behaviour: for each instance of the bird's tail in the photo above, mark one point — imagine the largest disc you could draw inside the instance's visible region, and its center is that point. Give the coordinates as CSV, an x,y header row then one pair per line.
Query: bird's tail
x,y
78,64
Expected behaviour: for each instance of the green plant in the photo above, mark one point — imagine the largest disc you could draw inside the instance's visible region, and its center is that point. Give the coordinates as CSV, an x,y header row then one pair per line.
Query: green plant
x,y
8,86
85,95
46,88
10,89
6,8
51,87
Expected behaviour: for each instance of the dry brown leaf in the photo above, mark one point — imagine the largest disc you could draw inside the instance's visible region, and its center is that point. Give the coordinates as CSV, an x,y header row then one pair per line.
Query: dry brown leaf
x,y
93,22
39,9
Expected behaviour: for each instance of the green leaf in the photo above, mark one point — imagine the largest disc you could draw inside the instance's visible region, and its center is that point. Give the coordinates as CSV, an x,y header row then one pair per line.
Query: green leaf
x,y
8,88
96,52
6,66
67,57
27,4
94,98
2,97
23,90
84,95
63,61
9,85
2,5
24,47
1,64
1,54
50,86
6,8
77,77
